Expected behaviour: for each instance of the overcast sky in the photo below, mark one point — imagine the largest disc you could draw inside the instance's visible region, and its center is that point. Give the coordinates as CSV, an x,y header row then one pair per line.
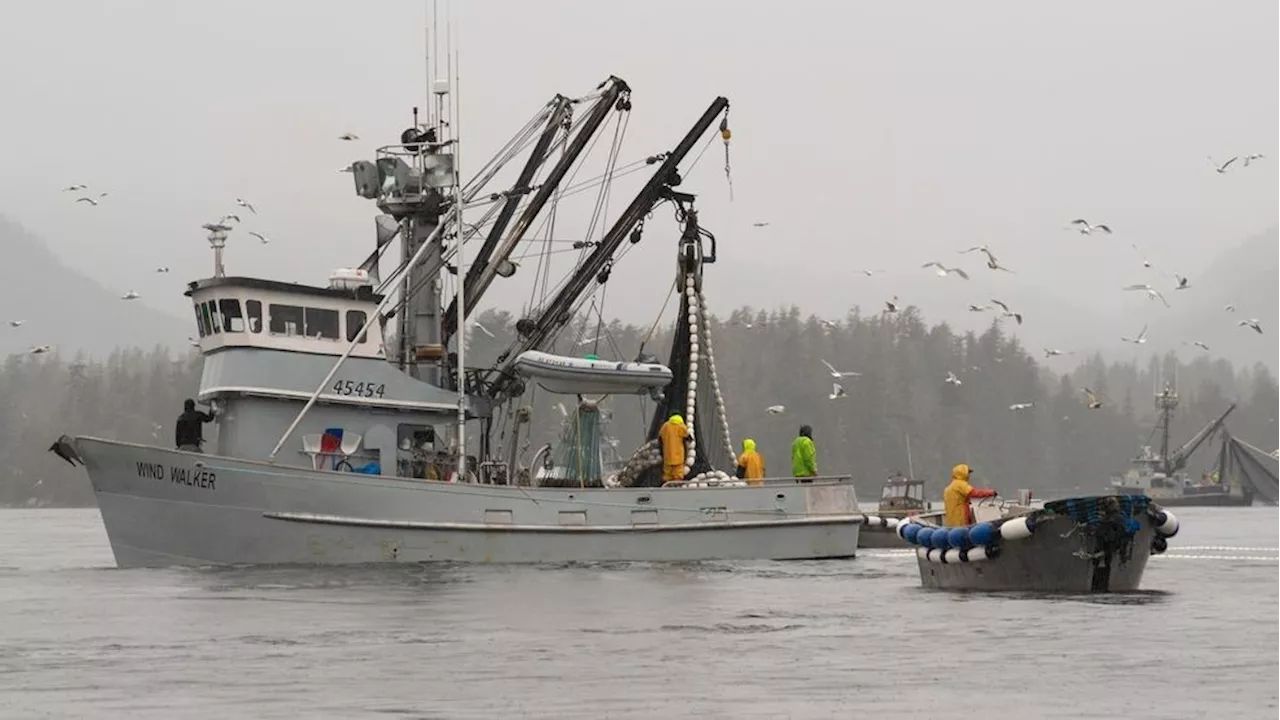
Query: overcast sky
x,y
867,134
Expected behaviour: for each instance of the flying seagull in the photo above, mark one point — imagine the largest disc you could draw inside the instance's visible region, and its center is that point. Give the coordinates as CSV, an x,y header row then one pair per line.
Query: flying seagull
x,y
1255,156
1007,312
246,205
91,201
260,236
1054,352
944,271
16,323
759,224
131,295
837,374
1198,344
776,409
1145,262
992,264
482,328
1094,402
951,378
1229,307
227,217
40,349
982,249
1220,169
1182,282
1141,338
978,308
561,408
891,305
1085,228
1021,406
348,136
1152,293
869,273
162,269
1252,323
837,391
73,188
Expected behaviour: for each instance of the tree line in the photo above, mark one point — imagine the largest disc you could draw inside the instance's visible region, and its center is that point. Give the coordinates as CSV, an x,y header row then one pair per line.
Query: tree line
x,y
900,398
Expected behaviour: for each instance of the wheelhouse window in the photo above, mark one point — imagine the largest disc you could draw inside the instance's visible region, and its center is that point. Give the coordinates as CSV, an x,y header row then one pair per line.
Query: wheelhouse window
x,y
232,319
208,318
356,320
321,323
254,310
201,325
285,319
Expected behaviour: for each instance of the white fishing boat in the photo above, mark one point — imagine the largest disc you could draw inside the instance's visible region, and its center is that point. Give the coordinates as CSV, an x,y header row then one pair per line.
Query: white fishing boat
x,y
336,444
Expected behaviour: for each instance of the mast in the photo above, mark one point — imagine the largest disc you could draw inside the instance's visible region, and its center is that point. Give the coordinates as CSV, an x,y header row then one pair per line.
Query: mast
x,y
1166,403
461,345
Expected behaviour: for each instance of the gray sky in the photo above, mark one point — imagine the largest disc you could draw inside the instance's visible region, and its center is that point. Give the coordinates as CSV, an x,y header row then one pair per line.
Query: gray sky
x,y
868,134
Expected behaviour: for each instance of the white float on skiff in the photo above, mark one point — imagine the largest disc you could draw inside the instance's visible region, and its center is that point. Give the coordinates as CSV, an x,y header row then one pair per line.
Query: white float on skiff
x,y
578,376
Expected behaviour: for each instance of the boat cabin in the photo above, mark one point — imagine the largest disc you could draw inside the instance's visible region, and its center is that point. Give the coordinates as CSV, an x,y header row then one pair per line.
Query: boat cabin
x,y
902,495
268,345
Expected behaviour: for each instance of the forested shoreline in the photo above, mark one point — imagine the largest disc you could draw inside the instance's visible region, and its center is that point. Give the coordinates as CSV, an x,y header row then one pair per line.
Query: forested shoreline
x,y
763,359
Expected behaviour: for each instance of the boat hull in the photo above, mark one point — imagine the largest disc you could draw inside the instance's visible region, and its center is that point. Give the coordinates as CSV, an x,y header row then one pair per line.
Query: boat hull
x,y
165,507
1203,500
878,535
1059,556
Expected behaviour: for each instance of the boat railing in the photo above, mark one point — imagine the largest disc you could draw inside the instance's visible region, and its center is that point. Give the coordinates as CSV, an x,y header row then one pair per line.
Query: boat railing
x,y
769,481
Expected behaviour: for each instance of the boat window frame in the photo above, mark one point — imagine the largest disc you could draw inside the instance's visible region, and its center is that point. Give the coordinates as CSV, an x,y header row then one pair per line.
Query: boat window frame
x,y
353,328
201,328
253,315
285,310
326,319
208,319
229,318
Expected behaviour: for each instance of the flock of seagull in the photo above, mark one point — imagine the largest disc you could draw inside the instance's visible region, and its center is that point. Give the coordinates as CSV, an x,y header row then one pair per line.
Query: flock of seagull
x,y
1093,400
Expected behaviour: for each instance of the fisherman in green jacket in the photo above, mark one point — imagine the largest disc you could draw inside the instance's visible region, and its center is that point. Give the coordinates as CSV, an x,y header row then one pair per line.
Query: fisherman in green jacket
x,y
804,456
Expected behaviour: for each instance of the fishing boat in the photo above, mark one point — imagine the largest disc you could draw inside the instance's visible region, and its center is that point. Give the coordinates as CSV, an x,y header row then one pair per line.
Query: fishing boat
x,y
901,497
1161,475
1093,544
349,428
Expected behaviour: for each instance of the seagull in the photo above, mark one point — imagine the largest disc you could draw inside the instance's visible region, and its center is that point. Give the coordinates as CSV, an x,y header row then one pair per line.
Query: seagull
x,y
348,136
982,249
837,391
992,264
944,271
776,409
978,308
759,224
1021,406
131,295
482,328
1253,323
951,378
1086,229
1094,402
246,205
869,273
193,342
216,227
828,325
227,217
1054,352
1182,282
349,168
1255,156
891,305
838,374
91,201
40,349
1220,169
1145,262
1152,293
260,236
561,408
16,323
1141,339
1007,312
73,188
1229,307
162,269
1198,344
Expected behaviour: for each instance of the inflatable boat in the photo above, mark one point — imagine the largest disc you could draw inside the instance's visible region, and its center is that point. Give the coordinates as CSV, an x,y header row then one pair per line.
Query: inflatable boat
x,y
587,376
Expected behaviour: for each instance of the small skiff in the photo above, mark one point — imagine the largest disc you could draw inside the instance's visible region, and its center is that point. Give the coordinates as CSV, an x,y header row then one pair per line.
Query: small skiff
x,y
1087,544
585,376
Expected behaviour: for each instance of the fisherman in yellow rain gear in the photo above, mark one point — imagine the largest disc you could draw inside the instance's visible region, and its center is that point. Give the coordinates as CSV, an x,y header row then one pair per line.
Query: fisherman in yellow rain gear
x,y
955,498
672,435
751,463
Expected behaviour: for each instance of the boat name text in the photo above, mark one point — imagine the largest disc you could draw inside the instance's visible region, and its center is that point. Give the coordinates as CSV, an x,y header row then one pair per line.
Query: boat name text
x,y
196,477
359,389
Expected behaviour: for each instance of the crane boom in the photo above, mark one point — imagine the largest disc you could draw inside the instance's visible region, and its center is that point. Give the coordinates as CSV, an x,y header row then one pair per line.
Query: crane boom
x,y
1177,460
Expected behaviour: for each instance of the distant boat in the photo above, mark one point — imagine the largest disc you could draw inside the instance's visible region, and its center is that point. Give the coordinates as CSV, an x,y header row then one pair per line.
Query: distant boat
x,y
900,498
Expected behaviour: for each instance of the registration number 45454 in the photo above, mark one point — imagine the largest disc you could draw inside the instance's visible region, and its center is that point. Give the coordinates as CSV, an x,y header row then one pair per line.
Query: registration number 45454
x,y
354,388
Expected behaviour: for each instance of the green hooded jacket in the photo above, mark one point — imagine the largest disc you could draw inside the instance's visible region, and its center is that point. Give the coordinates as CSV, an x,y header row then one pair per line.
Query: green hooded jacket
x,y
804,456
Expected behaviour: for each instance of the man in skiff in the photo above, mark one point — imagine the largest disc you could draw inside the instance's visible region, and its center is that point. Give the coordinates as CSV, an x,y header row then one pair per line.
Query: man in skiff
x,y
189,431
804,454
672,436
955,498
751,463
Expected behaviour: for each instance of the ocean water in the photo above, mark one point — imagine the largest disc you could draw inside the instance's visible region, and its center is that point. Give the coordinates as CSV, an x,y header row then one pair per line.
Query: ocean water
x,y
848,639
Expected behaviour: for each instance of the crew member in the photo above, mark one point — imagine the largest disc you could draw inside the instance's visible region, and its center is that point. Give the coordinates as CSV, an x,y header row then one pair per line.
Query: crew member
x,y
672,435
804,455
189,430
955,498
751,463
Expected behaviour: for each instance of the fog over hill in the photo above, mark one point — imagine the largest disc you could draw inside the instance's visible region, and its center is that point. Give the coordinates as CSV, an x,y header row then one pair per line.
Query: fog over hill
x,y
62,307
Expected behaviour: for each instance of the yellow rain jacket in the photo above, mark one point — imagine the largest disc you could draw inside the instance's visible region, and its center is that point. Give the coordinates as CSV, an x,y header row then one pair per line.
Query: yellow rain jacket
x,y
751,462
672,435
955,498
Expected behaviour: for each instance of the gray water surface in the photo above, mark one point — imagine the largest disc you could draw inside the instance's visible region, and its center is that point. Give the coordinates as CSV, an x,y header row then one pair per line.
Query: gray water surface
x,y
849,639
